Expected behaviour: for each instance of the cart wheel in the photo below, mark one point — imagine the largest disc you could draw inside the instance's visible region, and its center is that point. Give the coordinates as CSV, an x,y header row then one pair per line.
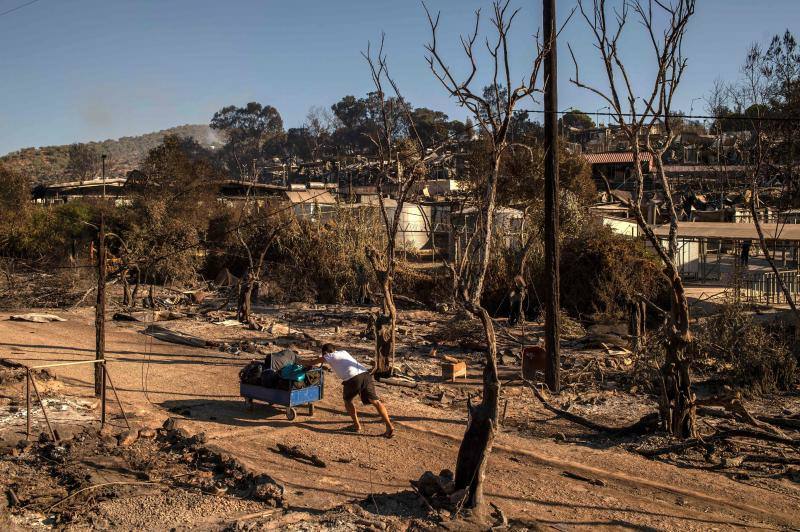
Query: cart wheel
x,y
291,413
310,409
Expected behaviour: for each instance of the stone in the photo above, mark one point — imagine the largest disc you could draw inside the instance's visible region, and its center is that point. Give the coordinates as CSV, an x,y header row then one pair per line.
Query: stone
x,y
267,490
147,433
200,437
128,438
277,329
173,424
72,432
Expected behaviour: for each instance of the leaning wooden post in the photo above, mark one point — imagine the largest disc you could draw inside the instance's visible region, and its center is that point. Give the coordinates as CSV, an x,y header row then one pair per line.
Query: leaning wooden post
x,y
104,373
28,404
551,322
100,311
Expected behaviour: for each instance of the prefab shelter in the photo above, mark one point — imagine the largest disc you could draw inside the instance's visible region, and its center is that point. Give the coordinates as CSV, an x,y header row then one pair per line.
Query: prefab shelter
x,y
310,203
414,226
508,224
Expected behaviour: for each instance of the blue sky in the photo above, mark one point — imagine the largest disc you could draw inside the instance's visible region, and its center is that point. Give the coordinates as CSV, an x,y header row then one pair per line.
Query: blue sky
x,y
78,70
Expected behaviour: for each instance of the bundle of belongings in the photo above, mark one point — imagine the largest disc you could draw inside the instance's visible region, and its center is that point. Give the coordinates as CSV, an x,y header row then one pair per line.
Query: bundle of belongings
x,y
279,371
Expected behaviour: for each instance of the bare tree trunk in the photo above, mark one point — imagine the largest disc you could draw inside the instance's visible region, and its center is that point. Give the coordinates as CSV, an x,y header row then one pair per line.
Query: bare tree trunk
x,y
678,404
678,401
494,117
635,325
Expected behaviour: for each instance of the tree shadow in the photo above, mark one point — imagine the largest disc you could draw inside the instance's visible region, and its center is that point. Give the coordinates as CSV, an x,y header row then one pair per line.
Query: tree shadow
x,y
237,413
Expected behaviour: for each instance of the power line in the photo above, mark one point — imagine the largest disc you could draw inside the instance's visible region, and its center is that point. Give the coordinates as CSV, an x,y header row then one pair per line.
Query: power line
x,y
704,117
9,11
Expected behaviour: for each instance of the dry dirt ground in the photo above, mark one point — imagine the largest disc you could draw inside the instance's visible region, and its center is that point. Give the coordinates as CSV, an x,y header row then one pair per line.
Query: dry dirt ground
x,y
539,481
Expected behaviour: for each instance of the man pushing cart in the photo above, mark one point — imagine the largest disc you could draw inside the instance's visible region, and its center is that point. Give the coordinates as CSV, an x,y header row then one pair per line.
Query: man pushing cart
x,y
356,381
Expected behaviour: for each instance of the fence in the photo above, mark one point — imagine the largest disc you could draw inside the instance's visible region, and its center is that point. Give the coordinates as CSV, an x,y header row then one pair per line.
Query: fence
x,y
764,287
30,382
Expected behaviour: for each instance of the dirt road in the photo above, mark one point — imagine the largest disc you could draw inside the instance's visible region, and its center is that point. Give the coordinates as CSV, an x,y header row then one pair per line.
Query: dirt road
x,y
526,476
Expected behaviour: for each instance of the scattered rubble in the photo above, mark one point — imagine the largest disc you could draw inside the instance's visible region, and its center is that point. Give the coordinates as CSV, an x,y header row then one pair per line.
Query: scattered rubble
x,y
36,318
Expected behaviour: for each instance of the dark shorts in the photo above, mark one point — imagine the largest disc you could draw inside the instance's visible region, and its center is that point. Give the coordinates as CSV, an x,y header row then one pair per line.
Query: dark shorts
x,y
361,385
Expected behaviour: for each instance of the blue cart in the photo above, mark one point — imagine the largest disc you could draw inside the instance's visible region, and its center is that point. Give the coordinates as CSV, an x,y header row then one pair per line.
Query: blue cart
x,y
287,398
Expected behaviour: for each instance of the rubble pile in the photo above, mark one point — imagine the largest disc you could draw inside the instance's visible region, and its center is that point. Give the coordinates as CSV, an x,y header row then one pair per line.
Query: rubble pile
x,y
90,477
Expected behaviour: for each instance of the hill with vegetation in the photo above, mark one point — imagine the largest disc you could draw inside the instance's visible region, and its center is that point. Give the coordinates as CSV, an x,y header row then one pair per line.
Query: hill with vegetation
x,y
48,164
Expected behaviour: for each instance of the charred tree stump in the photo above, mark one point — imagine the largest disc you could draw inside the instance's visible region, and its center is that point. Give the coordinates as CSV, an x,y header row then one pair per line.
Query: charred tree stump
x,y
385,324
635,326
482,427
126,289
245,297
678,409
384,345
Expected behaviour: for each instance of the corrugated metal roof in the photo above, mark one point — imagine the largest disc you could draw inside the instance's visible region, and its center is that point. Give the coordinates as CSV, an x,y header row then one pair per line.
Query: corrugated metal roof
x,y
703,168
732,231
322,197
613,157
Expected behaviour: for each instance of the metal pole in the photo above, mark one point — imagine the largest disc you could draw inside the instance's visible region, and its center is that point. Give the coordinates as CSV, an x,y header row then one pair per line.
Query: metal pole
x,y
100,309
103,163
552,326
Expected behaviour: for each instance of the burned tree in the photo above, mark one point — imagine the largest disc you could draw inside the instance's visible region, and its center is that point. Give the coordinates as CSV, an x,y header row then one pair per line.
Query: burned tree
x,y
253,134
637,123
83,162
404,160
770,88
255,236
493,110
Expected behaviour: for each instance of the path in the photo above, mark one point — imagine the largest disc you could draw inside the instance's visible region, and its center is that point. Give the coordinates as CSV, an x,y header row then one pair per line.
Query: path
x,y
525,475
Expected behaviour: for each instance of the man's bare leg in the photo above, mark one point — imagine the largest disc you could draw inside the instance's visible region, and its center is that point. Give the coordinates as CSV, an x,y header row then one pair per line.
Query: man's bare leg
x,y
351,409
385,417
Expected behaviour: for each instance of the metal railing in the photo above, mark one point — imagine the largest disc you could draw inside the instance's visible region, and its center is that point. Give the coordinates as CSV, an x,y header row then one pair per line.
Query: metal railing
x,y
765,288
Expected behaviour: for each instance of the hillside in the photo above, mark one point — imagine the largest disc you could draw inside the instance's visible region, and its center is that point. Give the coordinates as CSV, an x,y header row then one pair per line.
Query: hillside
x,y
47,164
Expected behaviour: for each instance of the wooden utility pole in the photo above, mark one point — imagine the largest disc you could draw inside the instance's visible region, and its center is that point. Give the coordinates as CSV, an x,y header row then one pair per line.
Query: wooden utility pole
x,y
551,322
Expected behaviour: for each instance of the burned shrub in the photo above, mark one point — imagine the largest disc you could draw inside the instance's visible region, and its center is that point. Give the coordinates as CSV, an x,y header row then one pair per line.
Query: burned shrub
x,y
601,272
324,262
430,286
751,354
169,213
329,260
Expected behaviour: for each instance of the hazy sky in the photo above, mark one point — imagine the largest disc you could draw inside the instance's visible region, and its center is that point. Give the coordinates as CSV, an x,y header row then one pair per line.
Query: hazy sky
x,y
77,70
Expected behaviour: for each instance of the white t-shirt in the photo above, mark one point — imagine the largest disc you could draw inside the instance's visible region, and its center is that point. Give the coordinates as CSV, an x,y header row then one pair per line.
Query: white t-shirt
x,y
344,365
